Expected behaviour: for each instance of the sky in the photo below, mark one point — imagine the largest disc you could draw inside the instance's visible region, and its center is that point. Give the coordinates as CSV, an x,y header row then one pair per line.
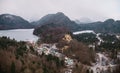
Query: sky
x,y
31,10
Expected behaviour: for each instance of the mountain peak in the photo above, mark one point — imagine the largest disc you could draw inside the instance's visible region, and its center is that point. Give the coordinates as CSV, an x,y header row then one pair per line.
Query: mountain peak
x,y
57,18
6,15
83,20
9,16
8,21
109,21
60,13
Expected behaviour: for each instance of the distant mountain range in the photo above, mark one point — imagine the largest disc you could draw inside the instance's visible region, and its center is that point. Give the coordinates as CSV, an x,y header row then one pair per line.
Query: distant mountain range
x,y
58,20
83,20
8,21
108,26
61,20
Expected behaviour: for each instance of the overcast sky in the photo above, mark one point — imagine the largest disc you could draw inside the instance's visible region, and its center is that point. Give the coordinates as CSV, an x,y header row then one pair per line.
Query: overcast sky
x,y
75,9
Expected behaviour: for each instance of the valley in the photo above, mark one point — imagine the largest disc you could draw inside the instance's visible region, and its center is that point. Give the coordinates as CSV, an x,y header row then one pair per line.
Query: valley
x,y
57,44
59,36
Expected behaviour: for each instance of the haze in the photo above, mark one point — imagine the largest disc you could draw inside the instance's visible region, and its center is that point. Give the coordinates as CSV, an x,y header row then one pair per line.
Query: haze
x,y
96,10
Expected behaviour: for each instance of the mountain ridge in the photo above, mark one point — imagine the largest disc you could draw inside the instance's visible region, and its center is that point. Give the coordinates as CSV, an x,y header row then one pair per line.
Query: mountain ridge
x,y
55,20
61,20
108,26
9,21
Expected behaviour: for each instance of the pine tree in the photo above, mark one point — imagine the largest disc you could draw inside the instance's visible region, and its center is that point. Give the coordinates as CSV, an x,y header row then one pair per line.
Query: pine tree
x,y
87,71
13,67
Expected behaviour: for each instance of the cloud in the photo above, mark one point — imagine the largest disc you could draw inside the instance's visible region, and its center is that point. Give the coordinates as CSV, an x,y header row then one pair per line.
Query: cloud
x,y
75,9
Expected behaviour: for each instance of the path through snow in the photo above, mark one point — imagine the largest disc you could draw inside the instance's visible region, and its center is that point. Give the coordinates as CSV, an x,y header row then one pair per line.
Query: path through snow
x,y
102,64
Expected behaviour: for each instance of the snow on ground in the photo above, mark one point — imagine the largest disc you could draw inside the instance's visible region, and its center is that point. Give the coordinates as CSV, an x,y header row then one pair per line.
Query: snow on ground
x,y
117,36
90,31
85,31
52,49
102,64
99,37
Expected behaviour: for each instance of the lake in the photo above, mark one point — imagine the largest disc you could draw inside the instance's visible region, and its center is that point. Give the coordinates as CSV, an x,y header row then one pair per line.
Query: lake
x,y
20,34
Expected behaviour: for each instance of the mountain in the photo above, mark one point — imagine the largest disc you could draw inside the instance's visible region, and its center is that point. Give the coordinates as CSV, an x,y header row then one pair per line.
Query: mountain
x,y
8,21
55,20
61,20
83,20
108,26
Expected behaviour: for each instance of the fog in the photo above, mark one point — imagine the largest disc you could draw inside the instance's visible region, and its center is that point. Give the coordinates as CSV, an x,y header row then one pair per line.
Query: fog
x,y
96,10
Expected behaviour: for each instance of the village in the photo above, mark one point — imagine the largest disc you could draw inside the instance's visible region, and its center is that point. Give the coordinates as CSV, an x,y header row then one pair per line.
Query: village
x,y
102,64
52,49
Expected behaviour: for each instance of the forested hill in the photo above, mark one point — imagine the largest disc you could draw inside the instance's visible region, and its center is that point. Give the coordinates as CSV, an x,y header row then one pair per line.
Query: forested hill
x,y
108,26
8,21
61,20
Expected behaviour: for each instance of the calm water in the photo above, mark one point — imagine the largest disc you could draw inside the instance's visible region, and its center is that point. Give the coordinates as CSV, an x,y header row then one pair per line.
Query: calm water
x,y
19,34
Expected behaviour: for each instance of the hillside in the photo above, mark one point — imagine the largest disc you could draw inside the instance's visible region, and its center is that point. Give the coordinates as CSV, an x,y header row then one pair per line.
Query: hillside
x,y
67,45
108,26
8,21
61,20
21,57
55,20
